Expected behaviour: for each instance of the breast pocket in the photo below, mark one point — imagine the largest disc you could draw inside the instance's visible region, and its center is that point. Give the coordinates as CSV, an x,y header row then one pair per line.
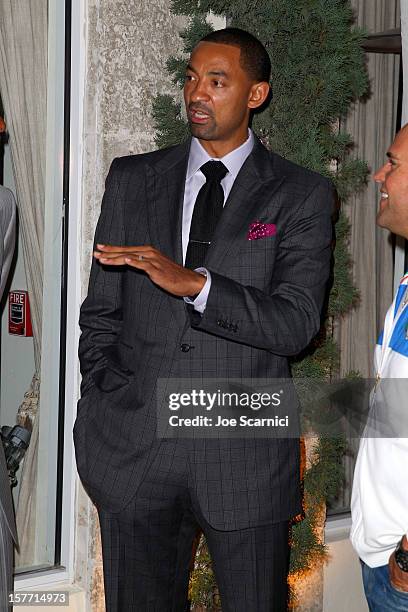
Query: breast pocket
x,y
252,262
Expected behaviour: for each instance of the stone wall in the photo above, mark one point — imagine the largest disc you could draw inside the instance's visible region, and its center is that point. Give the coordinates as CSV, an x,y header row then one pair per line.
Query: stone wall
x,y
128,42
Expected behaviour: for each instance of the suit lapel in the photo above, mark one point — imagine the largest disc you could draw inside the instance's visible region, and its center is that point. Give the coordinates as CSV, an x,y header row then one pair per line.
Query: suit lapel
x,y
255,184
165,196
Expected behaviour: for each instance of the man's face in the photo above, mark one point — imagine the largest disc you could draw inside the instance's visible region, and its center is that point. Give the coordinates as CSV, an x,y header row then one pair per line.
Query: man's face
x,y
217,92
393,177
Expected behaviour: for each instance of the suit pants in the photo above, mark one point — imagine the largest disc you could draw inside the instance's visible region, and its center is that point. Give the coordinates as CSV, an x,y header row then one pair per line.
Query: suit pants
x,y
6,563
147,548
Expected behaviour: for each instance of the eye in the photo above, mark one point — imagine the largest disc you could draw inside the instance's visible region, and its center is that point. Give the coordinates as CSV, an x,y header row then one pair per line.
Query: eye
x,y
188,77
218,83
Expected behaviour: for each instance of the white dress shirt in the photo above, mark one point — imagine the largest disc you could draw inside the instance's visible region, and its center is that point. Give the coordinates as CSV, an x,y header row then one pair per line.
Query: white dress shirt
x,y
195,179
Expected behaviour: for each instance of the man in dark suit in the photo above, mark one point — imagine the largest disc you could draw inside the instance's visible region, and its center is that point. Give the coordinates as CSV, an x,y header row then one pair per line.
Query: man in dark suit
x,y
226,280
8,534
7,522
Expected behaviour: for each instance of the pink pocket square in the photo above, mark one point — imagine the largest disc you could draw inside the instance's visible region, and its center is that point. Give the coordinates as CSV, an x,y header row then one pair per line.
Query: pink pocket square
x,y
261,230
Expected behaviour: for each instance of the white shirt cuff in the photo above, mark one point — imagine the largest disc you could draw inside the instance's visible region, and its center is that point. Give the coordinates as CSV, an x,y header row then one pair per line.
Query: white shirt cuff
x,y
201,300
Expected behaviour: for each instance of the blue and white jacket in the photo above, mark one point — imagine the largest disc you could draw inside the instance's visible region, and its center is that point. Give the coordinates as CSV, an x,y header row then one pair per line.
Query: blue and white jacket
x,y
379,504
391,353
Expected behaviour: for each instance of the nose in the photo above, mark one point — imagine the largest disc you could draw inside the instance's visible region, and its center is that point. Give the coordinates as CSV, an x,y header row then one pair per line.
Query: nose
x,y
198,91
381,174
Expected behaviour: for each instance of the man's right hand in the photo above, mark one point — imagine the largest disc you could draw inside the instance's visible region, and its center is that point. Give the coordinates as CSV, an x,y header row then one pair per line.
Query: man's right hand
x,y
398,578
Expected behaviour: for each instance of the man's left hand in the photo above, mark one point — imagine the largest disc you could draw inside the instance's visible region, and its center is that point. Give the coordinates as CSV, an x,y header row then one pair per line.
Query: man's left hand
x,y
161,270
399,579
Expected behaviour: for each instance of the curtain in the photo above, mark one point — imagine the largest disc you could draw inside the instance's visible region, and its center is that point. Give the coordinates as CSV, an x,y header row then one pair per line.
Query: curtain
x,y
404,39
23,83
401,252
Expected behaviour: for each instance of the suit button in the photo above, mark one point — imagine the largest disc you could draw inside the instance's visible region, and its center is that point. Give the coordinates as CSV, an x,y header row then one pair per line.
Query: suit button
x,y
220,322
185,347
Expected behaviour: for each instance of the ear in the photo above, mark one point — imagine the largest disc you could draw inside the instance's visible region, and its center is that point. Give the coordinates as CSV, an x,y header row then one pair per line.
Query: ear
x,y
258,94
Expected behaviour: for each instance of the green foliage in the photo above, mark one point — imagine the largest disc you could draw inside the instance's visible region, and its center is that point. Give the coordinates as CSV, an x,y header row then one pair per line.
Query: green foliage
x,y
343,295
326,473
203,589
321,483
319,361
198,28
317,72
167,114
350,177
305,545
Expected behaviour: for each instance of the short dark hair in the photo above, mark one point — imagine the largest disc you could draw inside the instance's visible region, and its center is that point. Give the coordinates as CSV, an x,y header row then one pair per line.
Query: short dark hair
x,y
254,58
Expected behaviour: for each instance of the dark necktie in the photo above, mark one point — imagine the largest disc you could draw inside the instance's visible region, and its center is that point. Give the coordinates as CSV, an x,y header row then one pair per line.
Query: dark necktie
x,y
207,211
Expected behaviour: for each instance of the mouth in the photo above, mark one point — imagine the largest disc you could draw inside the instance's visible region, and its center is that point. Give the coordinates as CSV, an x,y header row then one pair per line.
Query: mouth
x,y
198,116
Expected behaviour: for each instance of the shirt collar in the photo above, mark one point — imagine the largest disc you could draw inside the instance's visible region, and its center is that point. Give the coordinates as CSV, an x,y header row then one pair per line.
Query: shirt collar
x,y
233,161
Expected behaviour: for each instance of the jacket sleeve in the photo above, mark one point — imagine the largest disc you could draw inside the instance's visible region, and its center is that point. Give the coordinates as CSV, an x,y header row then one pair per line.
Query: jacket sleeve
x,y
101,312
284,318
8,235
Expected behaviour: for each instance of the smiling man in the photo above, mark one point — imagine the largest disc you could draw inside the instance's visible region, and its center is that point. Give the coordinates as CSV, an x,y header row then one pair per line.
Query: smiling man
x,y
211,260
380,492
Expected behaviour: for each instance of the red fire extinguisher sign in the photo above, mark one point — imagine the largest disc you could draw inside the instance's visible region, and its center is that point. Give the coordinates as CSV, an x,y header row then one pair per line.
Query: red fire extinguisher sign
x,y
19,323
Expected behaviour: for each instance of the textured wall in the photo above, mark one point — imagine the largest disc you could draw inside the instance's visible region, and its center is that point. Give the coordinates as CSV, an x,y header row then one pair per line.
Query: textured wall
x,y
128,42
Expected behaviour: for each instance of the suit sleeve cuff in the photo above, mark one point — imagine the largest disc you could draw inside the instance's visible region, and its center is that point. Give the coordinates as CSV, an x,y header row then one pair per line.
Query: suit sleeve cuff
x,y
200,301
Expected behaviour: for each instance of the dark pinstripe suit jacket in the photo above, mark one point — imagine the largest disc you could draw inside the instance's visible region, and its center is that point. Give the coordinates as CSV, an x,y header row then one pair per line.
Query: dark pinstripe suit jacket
x,y
267,292
7,244
6,504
